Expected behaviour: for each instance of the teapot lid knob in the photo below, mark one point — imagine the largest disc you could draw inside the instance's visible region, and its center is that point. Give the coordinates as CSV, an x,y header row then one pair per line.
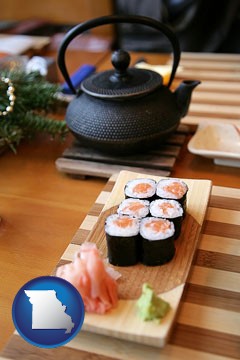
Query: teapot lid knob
x,y
120,61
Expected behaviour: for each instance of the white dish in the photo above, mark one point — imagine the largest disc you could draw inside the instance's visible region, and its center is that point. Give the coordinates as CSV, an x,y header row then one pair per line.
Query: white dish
x,y
220,142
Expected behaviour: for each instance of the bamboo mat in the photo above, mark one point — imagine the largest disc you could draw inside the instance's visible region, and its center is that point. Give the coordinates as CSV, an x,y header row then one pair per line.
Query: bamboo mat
x,y
208,322
217,98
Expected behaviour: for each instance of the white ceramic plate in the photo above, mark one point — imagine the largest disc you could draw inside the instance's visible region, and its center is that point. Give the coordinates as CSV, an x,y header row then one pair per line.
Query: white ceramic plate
x,y
220,142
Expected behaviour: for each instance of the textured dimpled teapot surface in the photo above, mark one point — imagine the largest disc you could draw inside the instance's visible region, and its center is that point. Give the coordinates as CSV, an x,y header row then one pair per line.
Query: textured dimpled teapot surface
x,y
114,85
122,126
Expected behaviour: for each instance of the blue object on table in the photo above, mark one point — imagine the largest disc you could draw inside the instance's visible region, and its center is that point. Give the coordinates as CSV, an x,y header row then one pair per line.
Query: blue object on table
x,y
77,77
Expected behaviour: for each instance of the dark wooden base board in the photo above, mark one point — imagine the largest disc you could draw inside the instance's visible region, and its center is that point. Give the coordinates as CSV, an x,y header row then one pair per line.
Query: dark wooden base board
x,y
81,161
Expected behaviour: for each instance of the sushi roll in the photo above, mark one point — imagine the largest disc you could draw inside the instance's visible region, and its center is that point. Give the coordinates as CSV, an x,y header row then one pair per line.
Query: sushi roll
x,y
174,189
122,234
144,189
157,241
134,207
168,209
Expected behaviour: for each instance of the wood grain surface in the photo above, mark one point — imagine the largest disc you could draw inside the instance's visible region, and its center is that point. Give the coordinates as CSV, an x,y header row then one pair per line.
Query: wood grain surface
x,y
83,161
208,321
167,280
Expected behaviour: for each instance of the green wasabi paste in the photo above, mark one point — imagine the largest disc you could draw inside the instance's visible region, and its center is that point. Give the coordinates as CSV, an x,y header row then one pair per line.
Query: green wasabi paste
x,y
150,306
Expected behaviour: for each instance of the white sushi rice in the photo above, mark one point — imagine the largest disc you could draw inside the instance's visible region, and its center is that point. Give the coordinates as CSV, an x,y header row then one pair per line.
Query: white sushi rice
x,y
131,186
163,192
147,230
127,207
112,228
166,208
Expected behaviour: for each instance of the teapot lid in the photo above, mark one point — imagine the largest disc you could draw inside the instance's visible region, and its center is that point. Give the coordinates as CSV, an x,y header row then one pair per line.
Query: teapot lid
x,y
122,82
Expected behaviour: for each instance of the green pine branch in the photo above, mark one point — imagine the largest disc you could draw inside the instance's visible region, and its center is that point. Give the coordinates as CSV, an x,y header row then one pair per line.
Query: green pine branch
x,y
35,98
10,135
33,123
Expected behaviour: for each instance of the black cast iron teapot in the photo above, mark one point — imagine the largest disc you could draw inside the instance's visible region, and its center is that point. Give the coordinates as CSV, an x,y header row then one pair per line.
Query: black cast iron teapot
x,y
125,110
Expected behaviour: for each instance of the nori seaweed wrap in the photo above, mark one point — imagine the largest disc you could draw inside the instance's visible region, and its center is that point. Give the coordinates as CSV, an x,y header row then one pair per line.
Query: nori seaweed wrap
x,y
157,241
123,240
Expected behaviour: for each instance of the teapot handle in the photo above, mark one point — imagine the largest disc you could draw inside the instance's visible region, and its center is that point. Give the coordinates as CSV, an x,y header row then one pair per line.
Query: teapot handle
x,y
116,19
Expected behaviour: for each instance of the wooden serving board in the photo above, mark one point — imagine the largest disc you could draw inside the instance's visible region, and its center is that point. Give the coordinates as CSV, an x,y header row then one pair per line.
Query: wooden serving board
x,y
167,280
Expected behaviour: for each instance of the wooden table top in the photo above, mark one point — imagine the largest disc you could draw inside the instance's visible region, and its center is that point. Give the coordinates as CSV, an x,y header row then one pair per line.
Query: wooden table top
x,y
41,209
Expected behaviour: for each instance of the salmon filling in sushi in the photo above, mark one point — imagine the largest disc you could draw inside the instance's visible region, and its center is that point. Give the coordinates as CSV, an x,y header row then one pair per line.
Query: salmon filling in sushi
x,y
174,189
140,189
168,209
157,241
122,234
134,207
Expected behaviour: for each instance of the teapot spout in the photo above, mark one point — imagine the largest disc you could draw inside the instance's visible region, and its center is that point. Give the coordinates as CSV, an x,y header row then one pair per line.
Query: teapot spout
x,y
183,95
